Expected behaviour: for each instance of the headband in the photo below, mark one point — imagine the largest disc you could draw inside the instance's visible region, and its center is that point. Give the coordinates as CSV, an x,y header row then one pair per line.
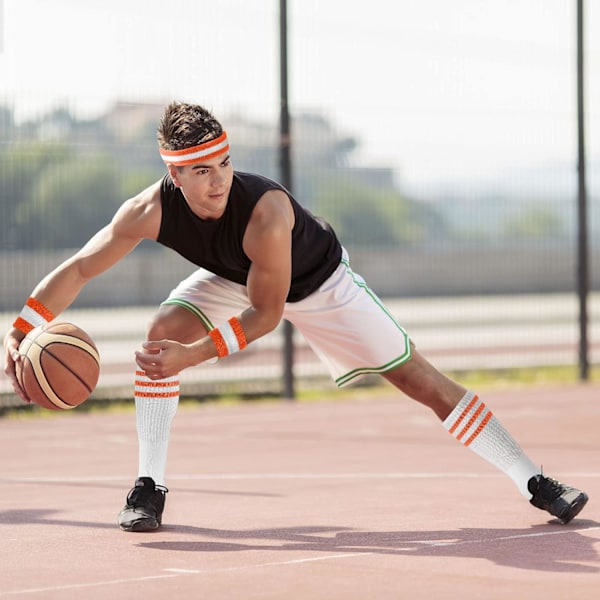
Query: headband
x,y
189,156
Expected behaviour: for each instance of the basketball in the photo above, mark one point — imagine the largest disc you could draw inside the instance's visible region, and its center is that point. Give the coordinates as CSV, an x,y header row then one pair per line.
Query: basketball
x,y
59,365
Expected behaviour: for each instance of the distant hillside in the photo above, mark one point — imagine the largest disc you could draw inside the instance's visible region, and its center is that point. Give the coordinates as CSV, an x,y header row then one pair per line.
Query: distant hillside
x,y
487,208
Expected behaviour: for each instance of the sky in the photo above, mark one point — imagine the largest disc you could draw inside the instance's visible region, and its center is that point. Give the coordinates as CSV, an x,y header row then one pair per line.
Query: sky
x,y
440,90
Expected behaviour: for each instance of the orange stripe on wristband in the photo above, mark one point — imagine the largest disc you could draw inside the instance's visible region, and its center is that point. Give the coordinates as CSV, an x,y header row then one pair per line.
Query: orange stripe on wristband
x,y
22,325
40,309
32,315
229,338
239,332
219,342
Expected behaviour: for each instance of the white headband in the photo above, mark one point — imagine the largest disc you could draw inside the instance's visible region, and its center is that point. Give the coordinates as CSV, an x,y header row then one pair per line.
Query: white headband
x,y
189,156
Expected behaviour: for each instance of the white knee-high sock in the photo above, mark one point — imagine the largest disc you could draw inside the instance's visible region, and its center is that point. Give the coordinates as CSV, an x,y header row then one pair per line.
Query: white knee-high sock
x,y
155,404
474,425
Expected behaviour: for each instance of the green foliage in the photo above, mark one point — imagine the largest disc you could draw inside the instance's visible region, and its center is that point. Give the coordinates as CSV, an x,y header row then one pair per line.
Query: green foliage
x,y
364,215
70,202
62,178
133,182
534,223
21,166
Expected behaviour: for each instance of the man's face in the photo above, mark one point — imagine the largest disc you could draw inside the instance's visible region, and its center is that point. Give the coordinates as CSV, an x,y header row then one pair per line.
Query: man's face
x,y
205,185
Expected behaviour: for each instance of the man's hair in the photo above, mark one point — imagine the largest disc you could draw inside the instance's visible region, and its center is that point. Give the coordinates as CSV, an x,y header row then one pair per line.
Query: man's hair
x,y
186,125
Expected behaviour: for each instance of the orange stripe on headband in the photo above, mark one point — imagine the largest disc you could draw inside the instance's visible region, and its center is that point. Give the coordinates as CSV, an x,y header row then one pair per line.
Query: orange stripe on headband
x,y
189,156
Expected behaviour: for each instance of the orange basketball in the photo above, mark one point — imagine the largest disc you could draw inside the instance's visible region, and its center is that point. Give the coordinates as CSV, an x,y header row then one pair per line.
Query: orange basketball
x,y
59,365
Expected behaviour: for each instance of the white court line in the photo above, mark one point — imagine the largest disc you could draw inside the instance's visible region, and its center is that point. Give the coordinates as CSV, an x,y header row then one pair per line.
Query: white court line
x,y
362,475
432,543
252,476
282,476
173,573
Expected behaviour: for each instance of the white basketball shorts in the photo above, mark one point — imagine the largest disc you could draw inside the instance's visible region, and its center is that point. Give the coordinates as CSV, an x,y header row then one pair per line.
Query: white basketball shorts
x,y
345,323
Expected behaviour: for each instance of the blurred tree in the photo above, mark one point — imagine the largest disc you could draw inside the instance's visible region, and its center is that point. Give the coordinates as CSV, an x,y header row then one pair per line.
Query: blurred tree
x,y
7,122
67,180
21,166
536,222
69,203
364,215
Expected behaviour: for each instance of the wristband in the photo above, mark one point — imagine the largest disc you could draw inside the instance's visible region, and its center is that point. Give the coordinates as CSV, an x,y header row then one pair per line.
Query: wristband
x,y
32,315
229,338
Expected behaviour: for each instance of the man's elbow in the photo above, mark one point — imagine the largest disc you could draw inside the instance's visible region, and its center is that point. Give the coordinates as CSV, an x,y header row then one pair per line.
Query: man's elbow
x,y
270,319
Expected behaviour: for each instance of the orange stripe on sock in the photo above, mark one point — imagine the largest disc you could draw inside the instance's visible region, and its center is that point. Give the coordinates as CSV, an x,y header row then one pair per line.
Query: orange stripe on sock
x,y
139,394
463,414
149,383
480,428
156,384
470,422
152,389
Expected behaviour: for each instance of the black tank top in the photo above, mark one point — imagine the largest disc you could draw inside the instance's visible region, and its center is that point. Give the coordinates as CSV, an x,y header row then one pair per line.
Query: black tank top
x,y
217,245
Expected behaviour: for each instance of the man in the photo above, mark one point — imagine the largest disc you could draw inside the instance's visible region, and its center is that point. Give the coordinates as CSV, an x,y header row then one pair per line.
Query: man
x,y
262,257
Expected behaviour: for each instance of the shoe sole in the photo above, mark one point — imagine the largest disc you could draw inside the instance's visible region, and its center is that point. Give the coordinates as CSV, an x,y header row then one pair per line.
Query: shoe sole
x,y
140,525
575,508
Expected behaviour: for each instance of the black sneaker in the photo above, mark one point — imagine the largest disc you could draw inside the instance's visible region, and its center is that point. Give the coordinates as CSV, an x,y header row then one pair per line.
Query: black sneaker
x,y
560,500
144,507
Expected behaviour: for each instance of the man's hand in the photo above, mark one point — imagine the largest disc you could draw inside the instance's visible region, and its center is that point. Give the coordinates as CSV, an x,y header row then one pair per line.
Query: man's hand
x,y
164,358
12,342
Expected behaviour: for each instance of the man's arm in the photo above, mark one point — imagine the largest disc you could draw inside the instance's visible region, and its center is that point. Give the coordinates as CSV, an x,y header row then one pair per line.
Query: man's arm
x,y
268,244
136,219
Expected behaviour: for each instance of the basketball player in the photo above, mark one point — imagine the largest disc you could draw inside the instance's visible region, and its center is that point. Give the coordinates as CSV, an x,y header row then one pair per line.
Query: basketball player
x,y
261,257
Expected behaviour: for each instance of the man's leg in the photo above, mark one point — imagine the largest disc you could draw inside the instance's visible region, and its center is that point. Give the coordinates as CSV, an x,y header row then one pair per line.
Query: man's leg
x,y
156,403
471,423
354,334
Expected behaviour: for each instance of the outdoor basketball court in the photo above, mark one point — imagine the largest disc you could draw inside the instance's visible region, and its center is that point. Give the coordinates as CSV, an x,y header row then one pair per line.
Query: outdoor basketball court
x,y
363,498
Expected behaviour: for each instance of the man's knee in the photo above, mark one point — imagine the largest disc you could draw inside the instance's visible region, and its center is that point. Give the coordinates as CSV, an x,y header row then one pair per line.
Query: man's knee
x,y
174,323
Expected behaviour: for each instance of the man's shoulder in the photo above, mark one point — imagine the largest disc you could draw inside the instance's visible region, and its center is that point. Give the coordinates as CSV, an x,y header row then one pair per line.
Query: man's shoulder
x,y
140,215
149,196
253,184
164,185
245,177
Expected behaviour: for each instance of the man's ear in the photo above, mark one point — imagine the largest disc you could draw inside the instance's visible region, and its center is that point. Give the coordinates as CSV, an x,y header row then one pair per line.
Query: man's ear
x,y
174,173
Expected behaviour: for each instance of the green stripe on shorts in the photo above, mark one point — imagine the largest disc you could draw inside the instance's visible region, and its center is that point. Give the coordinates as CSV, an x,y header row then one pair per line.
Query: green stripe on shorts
x,y
396,362
193,309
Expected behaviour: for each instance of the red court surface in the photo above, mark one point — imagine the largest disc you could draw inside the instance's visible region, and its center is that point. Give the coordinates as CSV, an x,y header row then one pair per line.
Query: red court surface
x,y
362,498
